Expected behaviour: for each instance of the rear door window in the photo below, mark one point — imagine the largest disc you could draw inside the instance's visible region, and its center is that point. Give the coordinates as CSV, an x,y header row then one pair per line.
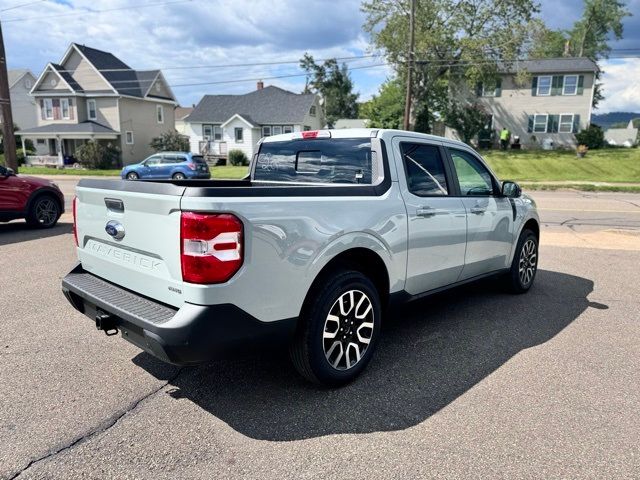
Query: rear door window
x,y
337,161
425,169
171,159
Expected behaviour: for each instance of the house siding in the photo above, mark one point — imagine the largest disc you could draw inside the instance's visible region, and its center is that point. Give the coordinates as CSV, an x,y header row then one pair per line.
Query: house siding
x,y
59,83
84,73
139,116
159,89
250,137
23,105
516,103
315,122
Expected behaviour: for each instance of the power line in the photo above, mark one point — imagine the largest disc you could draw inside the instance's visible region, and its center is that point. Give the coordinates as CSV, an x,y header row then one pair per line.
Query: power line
x,y
91,12
22,5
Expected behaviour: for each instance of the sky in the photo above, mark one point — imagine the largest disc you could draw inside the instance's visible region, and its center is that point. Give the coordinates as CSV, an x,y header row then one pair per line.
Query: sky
x,y
174,34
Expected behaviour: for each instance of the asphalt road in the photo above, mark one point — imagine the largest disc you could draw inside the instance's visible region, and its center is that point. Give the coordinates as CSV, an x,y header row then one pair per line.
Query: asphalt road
x,y
473,383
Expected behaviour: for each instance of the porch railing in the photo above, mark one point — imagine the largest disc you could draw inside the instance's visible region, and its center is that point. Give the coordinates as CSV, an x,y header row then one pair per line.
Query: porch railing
x,y
211,147
43,160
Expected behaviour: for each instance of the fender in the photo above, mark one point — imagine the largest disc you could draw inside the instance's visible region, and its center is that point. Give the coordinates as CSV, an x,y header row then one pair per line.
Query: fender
x,y
41,191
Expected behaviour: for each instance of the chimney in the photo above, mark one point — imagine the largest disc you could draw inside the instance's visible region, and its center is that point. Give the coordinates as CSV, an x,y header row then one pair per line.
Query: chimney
x,y
260,85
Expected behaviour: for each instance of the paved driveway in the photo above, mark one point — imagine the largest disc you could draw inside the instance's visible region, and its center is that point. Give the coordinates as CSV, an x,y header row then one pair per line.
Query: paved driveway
x,y
472,383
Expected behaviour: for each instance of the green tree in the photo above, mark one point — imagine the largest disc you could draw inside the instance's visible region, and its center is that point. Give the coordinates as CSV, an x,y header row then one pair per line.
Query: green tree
x,y
170,141
386,109
98,155
469,119
455,41
333,83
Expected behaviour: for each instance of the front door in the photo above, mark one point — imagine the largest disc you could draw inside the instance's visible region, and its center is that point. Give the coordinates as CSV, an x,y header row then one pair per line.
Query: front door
x,y
436,220
489,216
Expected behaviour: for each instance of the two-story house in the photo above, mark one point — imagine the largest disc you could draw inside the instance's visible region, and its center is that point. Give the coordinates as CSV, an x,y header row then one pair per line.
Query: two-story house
x,y
22,104
541,101
221,123
93,95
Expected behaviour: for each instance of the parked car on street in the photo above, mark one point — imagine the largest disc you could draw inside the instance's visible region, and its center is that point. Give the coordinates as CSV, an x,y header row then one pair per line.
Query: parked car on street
x,y
331,228
37,200
168,165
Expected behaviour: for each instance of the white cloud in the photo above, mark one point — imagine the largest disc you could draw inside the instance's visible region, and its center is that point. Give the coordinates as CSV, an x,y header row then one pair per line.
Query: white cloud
x,y
621,83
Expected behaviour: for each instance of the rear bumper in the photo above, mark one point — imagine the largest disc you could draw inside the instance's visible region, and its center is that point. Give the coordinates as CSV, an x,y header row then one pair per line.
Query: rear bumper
x,y
189,335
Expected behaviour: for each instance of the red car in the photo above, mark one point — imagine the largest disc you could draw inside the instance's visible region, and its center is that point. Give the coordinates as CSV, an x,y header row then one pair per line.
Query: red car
x,y
37,200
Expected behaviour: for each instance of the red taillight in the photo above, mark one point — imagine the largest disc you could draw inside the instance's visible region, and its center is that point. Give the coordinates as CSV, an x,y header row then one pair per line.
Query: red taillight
x,y
192,166
211,247
75,221
310,134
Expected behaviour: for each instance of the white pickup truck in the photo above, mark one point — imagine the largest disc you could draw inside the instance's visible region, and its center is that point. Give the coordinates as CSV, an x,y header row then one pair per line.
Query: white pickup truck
x,y
328,230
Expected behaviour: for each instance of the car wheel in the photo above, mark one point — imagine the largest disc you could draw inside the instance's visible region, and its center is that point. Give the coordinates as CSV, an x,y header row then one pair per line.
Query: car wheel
x,y
338,329
132,176
179,176
44,212
525,263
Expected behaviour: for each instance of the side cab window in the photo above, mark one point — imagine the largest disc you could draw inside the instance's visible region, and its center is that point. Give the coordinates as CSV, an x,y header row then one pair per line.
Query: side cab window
x,y
424,168
473,177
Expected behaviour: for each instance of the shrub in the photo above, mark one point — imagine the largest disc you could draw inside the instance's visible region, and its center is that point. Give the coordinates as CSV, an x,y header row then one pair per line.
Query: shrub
x,y
238,157
96,155
170,141
592,137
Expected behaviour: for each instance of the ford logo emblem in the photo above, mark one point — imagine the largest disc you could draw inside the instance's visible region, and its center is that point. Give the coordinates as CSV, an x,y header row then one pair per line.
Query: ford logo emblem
x,y
115,229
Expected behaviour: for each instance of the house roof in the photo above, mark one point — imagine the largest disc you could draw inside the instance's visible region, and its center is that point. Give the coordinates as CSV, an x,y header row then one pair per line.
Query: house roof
x,y
182,112
16,74
553,65
270,105
66,76
70,128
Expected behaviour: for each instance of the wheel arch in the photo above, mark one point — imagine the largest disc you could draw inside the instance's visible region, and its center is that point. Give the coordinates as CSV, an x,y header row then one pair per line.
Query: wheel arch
x,y
39,193
533,225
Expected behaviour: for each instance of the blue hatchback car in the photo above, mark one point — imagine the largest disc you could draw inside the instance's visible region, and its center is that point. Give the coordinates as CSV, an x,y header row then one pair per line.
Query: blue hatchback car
x,y
166,165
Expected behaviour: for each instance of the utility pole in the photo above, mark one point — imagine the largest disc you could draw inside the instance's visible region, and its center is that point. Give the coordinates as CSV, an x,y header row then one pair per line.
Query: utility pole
x,y
407,103
8,140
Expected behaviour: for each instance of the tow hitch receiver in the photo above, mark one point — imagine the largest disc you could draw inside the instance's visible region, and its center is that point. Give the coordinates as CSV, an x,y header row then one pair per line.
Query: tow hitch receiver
x,y
106,322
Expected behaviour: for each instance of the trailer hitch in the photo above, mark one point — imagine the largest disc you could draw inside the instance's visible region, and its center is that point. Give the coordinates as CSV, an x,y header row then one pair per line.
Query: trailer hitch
x,y
106,323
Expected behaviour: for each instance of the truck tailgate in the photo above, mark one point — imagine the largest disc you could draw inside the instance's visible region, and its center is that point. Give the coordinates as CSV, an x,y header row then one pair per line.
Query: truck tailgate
x,y
147,258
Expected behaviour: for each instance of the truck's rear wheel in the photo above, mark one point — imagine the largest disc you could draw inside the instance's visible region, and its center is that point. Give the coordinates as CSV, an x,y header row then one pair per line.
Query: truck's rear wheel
x,y
339,329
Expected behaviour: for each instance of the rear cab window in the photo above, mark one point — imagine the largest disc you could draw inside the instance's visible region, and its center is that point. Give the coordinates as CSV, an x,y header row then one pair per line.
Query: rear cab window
x,y
336,161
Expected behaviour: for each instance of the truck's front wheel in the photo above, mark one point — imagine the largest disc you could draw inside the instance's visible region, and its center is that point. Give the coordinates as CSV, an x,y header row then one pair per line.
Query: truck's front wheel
x,y
339,329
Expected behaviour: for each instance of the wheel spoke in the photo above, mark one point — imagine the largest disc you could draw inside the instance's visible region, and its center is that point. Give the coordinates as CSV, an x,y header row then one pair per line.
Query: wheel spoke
x,y
355,348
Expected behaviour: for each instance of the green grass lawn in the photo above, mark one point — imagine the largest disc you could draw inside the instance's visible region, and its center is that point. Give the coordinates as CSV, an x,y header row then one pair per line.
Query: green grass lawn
x,y
606,165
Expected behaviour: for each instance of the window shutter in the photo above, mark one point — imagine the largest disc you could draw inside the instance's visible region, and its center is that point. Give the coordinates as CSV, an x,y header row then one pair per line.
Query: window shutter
x,y
498,87
42,114
479,89
552,123
56,108
576,123
530,127
556,85
534,86
580,84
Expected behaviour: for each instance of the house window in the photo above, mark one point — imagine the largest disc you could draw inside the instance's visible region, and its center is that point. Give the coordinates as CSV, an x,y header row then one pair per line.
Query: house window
x,y
212,132
277,130
48,108
160,113
266,131
27,83
566,123
287,129
128,138
312,111
92,113
64,106
489,89
570,85
217,133
41,141
540,123
306,128
238,134
544,85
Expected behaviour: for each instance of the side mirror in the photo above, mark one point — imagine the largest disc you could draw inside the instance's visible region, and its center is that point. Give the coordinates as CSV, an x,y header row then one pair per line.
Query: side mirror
x,y
511,189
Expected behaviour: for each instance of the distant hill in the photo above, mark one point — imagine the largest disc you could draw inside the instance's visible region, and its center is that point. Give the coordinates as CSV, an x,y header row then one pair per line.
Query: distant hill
x,y
605,120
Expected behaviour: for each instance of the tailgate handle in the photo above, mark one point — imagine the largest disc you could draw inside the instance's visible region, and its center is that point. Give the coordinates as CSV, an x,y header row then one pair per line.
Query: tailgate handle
x,y
114,205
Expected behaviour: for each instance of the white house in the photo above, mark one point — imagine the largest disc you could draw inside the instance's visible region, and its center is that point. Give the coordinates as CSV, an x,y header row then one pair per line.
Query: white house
x,y
221,123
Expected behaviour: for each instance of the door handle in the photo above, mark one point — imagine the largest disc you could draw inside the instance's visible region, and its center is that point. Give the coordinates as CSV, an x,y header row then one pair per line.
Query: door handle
x,y
425,211
478,210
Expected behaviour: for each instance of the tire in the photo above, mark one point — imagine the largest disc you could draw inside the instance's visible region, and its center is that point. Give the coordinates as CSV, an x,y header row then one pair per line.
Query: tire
x,y
349,336
132,176
179,176
44,212
524,265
